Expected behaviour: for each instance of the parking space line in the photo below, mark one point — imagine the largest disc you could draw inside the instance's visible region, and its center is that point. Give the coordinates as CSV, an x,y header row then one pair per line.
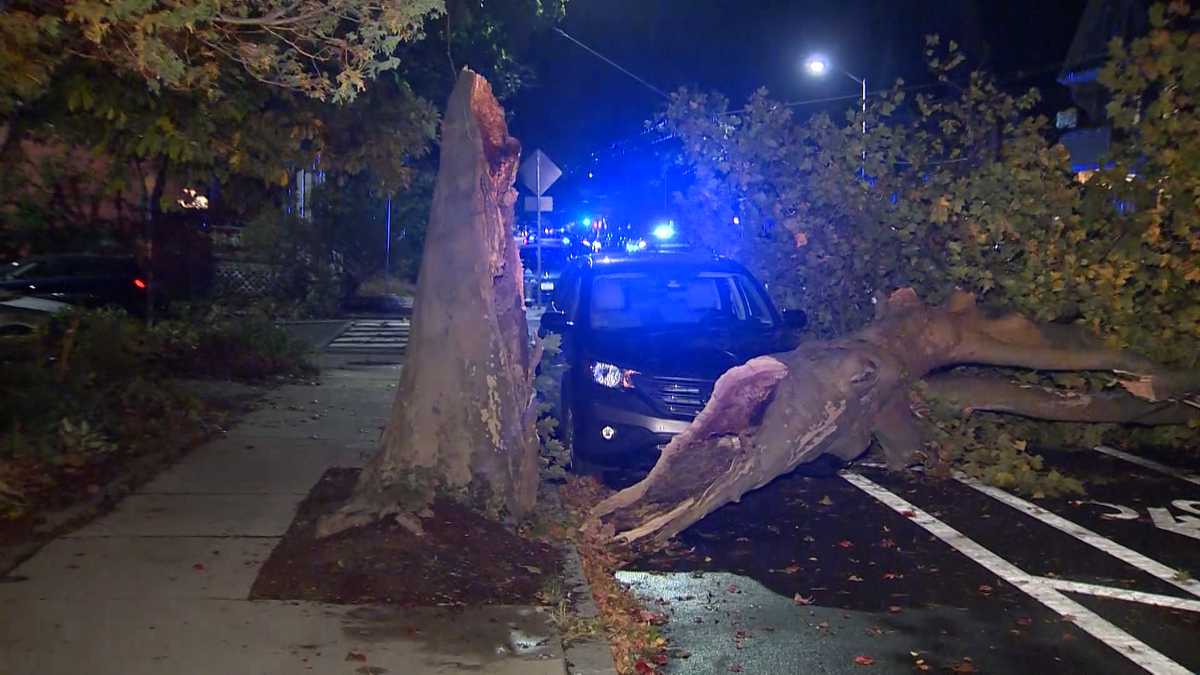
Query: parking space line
x,y
1129,556
1155,599
1147,463
1123,643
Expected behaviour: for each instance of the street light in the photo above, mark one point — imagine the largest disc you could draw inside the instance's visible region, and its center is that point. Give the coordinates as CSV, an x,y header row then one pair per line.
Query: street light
x,y
817,66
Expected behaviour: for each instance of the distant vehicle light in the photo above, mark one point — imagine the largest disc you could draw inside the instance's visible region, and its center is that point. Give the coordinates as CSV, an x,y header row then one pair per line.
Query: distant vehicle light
x,y
737,221
607,433
587,222
546,285
140,284
664,231
566,241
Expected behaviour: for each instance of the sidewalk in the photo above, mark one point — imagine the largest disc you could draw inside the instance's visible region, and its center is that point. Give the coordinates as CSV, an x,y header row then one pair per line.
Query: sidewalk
x,y
159,585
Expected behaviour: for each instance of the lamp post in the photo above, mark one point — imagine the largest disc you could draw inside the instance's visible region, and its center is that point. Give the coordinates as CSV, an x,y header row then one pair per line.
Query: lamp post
x,y
818,66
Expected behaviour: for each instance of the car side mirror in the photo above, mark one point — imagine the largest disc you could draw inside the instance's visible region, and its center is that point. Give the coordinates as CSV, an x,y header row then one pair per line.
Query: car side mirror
x,y
795,318
554,322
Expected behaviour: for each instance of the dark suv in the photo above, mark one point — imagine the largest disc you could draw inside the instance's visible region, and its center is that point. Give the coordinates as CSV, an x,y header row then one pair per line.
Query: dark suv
x,y
646,336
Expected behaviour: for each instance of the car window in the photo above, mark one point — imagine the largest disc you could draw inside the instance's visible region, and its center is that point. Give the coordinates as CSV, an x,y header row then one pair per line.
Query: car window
x,y
40,269
626,300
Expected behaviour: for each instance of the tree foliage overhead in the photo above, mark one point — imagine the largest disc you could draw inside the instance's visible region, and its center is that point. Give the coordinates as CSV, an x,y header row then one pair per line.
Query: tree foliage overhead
x,y
325,49
968,189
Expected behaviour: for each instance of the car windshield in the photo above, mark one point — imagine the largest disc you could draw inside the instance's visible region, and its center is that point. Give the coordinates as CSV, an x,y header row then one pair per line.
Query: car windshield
x,y
672,299
46,268
36,269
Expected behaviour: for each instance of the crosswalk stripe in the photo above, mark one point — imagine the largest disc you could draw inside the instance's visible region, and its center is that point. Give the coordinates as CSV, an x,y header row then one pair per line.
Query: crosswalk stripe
x,y
373,335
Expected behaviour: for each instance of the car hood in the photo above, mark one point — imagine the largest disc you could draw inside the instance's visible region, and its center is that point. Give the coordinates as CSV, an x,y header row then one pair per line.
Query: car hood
x,y
691,353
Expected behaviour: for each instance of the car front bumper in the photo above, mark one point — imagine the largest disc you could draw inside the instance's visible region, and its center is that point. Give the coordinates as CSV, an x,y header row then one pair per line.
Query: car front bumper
x,y
608,431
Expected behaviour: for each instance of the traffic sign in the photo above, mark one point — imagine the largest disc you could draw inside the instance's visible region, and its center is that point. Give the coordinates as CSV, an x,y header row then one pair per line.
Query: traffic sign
x,y
538,173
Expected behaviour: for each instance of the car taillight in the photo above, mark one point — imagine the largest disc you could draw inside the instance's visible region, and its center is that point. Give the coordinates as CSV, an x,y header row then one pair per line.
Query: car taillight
x,y
139,283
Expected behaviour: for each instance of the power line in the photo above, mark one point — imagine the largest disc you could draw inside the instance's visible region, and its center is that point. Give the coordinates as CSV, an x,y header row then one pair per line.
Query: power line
x,y
612,63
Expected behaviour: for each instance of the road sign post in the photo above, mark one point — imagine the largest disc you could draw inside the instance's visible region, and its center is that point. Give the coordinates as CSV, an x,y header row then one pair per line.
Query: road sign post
x,y
538,173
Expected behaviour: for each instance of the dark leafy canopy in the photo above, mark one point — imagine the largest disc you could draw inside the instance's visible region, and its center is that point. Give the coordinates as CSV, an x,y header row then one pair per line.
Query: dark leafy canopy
x,y
967,189
326,49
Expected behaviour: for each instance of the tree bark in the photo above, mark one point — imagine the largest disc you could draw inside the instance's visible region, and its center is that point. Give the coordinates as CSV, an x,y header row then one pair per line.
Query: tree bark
x,y
769,416
993,394
460,425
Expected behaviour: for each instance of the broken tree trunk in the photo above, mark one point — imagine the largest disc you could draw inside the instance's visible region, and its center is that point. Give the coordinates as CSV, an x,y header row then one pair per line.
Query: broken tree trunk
x,y
774,413
461,423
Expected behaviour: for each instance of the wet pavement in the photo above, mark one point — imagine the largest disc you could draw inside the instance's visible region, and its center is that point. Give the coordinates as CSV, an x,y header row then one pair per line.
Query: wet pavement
x,y
914,574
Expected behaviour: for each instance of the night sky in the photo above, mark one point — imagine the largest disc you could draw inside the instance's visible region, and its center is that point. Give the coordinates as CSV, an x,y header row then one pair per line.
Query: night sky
x,y
581,105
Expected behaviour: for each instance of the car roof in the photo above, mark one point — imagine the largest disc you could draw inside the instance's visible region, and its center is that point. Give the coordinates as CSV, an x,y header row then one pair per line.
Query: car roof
x,y
600,263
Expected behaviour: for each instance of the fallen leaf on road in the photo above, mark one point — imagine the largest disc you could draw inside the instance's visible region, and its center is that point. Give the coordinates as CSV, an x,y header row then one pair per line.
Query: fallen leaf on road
x,y
854,577
864,660
199,567
801,600
791,569
985,589
887,543
964,666
355,656
892,575
895,609
1024,621
735,668
825,501
909,514
846,543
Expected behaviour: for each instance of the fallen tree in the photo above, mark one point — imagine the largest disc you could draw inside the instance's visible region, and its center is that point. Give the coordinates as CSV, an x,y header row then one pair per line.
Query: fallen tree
x,y
834,397
462,424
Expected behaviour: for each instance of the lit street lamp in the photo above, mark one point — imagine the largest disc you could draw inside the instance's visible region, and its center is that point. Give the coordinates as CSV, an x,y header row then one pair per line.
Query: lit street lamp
x,y
818,66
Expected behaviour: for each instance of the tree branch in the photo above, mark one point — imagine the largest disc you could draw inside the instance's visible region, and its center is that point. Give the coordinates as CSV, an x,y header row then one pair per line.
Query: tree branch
x,y
970,394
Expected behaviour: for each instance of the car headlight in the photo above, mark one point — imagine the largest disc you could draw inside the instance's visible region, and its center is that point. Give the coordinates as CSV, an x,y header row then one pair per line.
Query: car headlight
x,y
613,377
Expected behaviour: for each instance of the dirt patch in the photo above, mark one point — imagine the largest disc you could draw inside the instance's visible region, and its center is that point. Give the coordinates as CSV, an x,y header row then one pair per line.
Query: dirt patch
x,y
462,558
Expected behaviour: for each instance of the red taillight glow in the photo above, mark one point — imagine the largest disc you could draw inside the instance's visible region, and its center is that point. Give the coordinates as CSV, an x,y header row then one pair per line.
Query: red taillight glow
x,y
140,284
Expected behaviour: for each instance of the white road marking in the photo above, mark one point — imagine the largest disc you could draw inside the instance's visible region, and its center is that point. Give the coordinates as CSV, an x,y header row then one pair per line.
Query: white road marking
x,y
1127,555
1148,463
1123,643
1191,506
369,335
1188,526
1155,599
1122,512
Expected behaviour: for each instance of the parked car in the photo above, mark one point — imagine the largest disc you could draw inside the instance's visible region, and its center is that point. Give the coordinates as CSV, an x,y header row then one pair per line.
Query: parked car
x,y
84,280
555,258
645,337
22,315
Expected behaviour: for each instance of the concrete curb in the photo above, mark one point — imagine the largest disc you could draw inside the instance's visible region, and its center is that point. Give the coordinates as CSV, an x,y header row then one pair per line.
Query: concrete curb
x,y
586,656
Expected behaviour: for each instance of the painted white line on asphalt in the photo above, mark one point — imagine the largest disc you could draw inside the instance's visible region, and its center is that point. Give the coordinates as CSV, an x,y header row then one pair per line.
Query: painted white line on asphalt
x,y
1142,562
1155,599
1093,624
1148,463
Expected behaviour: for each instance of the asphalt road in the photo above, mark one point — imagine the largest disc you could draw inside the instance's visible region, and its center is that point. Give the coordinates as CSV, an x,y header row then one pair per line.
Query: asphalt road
x,y
876,572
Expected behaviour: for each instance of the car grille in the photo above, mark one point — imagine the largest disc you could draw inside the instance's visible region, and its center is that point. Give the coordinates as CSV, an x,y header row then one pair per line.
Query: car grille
x,y
678,396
